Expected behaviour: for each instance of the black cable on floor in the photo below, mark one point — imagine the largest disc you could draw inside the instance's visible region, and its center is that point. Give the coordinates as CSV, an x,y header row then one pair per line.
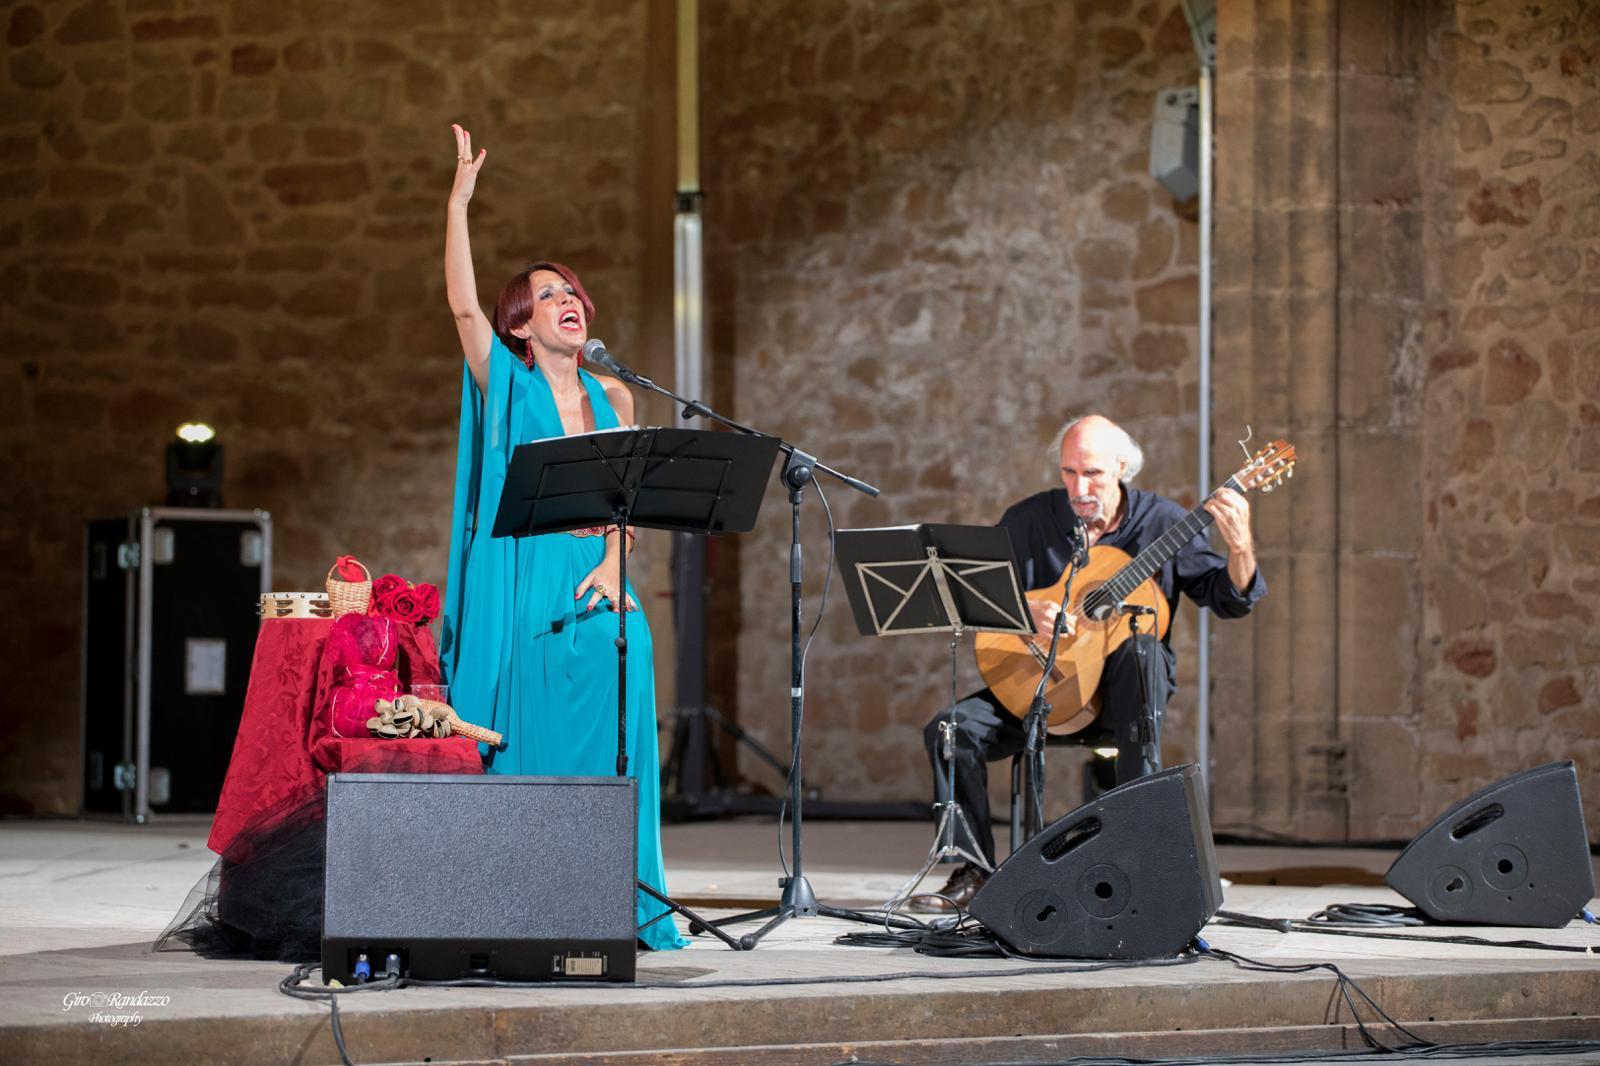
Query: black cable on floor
x,y
1334,920
1347,988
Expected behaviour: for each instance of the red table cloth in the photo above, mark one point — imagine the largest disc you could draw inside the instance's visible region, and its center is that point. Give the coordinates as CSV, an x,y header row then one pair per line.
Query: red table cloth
x,y
285,747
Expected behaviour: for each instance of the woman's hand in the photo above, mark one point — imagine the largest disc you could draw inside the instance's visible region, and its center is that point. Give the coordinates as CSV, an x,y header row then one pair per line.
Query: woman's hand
x,y
460,284
467,167
604,582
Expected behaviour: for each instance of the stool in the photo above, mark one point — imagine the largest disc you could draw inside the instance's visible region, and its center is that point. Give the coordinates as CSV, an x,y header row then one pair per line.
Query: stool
x,y
1099,767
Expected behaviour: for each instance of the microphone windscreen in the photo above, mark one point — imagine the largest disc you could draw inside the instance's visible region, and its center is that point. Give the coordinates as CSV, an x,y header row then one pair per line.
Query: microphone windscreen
x,y
594,351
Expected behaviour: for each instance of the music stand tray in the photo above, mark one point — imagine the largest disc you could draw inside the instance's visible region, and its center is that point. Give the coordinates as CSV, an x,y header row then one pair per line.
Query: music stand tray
x,y
932,578
685,480
935,578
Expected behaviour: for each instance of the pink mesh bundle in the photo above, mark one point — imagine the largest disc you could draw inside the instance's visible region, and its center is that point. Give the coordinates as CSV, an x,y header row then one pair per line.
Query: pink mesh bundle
x,y
363,650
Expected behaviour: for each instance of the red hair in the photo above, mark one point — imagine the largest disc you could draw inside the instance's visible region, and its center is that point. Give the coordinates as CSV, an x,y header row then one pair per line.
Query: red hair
x,y
515,305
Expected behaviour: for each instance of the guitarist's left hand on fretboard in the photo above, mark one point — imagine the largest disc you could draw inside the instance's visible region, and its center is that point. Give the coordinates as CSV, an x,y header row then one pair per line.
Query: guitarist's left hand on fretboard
x,y
1232,513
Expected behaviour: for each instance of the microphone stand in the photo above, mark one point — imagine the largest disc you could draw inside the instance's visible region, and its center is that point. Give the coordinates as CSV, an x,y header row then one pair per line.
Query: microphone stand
x,y
1149,728
1039,709
799,470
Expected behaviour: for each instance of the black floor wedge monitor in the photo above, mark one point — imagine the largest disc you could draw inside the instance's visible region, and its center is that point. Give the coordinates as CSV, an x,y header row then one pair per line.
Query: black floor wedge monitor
x,y
1516,853
1132,875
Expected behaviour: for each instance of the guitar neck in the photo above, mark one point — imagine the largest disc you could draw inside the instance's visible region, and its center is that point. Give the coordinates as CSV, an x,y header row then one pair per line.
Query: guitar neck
x,y
1154,557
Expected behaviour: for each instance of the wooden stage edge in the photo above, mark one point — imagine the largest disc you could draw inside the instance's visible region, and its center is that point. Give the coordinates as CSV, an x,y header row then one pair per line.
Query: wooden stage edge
x,y
87,899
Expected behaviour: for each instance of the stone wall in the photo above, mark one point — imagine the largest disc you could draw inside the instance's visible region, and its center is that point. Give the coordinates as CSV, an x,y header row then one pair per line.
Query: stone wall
x,y
233,211
932,238
1408,279
1510,396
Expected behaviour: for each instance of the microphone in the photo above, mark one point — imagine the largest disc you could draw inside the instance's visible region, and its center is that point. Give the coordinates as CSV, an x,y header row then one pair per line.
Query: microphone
x,y
1100,612
1080,553
594,351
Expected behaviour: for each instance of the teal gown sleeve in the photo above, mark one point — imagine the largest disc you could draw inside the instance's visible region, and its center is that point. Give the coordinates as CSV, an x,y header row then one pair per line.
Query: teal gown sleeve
x,y
519,653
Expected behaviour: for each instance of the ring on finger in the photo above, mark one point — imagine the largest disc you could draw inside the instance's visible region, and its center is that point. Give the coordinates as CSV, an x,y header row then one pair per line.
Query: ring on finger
x,y
601,589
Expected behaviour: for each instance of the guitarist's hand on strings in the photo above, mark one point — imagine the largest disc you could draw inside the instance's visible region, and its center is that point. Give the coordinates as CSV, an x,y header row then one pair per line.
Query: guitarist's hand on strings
x,y
1232,512
1044,618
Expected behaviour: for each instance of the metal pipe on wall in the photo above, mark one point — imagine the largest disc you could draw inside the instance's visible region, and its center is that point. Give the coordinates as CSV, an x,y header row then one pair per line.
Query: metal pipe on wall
x,y
1203,681
691,744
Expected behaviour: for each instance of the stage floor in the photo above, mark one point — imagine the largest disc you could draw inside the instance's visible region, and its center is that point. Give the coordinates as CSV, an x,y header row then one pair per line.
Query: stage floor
x,y
85,899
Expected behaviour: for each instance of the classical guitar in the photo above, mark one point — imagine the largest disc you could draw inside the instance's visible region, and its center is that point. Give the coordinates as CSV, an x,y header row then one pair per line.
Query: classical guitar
x,y
1011,665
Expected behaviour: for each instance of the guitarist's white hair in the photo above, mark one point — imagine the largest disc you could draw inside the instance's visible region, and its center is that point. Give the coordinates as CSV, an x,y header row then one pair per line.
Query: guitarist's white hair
x,y
1127,449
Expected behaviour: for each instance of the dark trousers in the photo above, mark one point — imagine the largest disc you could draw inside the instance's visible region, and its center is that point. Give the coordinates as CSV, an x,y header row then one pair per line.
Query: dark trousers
x,y
985,732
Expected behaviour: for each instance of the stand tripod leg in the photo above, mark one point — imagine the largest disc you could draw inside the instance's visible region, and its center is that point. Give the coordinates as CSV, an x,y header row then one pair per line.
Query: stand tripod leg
x,y
950,812
696,923
944,847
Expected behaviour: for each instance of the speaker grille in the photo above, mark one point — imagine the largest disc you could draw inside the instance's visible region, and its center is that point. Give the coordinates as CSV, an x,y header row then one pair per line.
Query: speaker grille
x,y
489,870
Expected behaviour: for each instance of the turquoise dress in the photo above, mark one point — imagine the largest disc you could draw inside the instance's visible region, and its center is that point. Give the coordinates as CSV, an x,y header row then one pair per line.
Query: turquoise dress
x,y
517,653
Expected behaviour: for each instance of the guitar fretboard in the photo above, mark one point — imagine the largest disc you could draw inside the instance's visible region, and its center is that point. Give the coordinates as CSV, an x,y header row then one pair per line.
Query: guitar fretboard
x,y
1153,558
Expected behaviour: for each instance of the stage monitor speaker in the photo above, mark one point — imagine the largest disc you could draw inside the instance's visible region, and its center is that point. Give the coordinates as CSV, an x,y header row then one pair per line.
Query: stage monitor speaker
x,y
459,875
1516,853
1132,875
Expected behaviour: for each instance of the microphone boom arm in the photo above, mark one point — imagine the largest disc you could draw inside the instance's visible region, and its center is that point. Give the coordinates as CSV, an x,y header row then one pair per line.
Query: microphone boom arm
x,y
693,408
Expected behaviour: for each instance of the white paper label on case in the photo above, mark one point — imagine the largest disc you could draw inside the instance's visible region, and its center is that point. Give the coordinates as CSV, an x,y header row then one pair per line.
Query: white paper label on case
x,y
205,667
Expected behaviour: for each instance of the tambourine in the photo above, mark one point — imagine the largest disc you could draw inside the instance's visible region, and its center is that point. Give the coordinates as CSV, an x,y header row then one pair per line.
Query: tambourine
x,y
295,605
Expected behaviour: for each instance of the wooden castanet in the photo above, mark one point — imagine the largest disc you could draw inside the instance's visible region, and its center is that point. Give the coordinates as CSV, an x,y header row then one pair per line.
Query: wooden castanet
x,y
1011,665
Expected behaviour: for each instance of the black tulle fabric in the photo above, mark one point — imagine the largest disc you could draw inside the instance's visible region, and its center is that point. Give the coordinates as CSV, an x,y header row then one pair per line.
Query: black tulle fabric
x,y
262,899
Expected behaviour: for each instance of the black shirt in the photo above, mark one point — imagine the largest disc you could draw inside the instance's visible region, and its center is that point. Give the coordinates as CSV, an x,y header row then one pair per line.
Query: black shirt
x,y
1041,529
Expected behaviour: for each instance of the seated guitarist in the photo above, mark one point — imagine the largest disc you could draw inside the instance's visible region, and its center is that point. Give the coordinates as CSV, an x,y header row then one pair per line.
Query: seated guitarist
x,y
1098,460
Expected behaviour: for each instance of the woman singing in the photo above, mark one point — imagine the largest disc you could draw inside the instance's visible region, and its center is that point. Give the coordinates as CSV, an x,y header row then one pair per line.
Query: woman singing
x,y
528,632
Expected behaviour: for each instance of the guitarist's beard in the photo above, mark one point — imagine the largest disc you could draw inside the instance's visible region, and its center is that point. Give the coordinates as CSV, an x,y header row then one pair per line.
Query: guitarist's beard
x,y
1090,509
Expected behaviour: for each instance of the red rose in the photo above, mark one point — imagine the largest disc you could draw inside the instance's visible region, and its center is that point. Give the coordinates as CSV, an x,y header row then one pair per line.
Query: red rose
x,y
429,595
405,606
383,590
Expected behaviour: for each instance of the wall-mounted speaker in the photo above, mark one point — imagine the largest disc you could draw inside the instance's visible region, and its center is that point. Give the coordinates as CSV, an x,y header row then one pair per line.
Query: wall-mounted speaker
x,y
1132,875
1175,142
1516,853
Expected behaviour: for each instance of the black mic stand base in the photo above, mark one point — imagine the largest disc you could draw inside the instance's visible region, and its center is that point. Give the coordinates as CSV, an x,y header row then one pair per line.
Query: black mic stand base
x,y
696,923
798,901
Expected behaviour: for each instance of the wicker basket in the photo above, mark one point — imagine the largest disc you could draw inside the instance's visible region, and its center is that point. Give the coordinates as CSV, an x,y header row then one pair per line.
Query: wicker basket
x,y
349,597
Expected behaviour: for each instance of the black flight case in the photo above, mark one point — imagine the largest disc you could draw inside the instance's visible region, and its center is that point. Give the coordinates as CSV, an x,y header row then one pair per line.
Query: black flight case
x,y
169,628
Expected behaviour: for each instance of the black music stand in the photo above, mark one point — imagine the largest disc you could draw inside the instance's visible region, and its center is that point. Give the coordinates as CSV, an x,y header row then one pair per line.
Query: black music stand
x,y
935,578
685,480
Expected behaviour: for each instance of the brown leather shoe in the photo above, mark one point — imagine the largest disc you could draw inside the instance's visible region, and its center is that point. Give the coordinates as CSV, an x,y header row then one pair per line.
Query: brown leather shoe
x,y
957,892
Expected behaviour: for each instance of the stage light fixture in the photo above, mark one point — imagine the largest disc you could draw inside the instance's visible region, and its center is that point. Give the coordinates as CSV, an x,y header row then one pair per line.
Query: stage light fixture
x,y
194,467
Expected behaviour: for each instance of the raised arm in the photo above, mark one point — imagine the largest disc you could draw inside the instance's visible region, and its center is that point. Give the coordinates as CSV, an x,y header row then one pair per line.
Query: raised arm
x,y
460,284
